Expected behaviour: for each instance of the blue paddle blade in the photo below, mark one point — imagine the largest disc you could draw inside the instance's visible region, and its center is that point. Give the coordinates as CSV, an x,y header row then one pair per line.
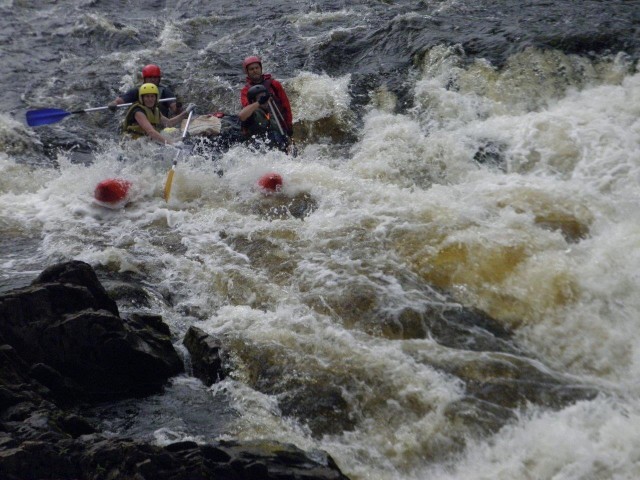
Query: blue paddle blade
x,y
45,116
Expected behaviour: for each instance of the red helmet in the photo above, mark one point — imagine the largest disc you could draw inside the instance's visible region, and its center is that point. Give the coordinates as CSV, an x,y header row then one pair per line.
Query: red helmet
x,y
249,60
151,71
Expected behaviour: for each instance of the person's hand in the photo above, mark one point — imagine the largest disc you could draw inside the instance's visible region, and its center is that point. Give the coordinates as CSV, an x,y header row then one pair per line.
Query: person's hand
x,y
190,108
113,107
264,98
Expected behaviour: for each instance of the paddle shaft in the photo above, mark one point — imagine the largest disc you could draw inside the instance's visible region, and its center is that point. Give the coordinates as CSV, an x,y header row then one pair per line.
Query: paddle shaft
x,y
167,185
95,109
274,108
47,116
278,112
275,111
186,126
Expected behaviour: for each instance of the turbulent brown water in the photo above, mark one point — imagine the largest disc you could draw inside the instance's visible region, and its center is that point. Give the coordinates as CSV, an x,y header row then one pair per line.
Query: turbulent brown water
x,y
447,286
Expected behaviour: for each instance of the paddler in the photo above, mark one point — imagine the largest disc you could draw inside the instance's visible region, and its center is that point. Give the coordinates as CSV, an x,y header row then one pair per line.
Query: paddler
x,y
144,116
259,121
252,67
150,74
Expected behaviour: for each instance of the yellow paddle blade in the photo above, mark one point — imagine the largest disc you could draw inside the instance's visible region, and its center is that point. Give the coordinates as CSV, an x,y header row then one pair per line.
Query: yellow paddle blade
x,y
167,186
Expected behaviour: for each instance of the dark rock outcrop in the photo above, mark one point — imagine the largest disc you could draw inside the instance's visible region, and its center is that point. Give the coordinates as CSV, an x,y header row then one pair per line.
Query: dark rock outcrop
x,y
206,356
69,331
93,459
62,343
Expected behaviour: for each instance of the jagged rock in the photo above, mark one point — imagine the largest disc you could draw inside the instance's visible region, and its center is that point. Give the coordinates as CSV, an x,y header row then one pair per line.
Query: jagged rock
x,y
68,329
81,274
206,358
91,458
320,406
62,341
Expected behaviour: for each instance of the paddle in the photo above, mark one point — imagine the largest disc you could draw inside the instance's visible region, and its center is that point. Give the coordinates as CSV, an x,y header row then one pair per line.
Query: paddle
x,y
275,111
167,185
47,116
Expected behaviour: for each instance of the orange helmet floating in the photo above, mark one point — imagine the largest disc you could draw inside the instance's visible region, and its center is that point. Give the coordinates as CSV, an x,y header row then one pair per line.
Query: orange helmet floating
x,y
151,70
249,60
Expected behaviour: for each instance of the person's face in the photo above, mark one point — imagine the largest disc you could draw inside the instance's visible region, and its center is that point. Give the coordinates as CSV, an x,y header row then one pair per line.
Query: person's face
x,y
154,80
149,100
254,71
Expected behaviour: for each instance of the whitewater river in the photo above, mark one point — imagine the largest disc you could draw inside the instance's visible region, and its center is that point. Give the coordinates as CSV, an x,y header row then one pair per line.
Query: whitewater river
x,y
448,285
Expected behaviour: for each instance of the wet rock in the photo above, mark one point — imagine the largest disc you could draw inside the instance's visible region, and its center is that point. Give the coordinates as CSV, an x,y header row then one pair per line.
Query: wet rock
x,y
315,396
182,461
206,356
67,323
76,425
321,406
467,329
80,274
281,207
55,141
492,155
61,387
129,294
61,342
512,382
478,416
517,393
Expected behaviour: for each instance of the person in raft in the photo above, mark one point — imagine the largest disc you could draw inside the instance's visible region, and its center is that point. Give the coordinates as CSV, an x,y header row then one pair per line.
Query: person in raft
x,y
258,121
144,117
150,74
253,68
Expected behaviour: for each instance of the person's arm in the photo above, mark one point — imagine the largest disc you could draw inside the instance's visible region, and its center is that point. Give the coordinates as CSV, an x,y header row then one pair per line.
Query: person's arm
x,y
173,106
117,101
286,105
244,100
247,111
170,122
151,132
129,97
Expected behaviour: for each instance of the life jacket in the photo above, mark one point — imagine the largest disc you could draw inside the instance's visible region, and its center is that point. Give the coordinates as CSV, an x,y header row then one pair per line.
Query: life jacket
x,y
260,124
263,127
131,127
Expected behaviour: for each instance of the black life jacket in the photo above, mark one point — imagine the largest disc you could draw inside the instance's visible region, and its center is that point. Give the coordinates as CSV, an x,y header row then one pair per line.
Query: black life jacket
x,y
264,127
260,124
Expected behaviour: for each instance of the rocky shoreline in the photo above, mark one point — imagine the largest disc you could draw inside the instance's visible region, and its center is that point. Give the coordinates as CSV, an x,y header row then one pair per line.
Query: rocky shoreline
x,y
64,345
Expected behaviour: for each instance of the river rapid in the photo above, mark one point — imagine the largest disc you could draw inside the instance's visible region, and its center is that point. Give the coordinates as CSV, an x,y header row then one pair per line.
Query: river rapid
x,y
446,288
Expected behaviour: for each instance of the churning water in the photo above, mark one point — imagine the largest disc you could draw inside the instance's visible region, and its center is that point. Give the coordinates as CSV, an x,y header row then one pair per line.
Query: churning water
x,y
446,288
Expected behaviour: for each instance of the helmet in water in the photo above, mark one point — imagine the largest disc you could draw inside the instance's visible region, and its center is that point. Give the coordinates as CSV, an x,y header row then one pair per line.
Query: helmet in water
x,y
146,89
151,71
254,91
249,60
